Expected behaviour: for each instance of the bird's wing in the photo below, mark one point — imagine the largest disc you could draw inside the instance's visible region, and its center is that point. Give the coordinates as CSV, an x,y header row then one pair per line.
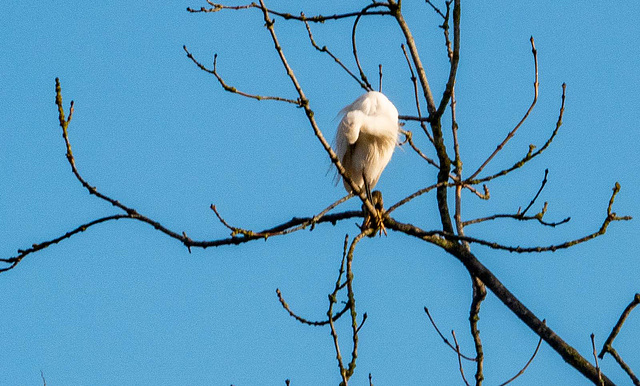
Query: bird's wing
x,y
348,131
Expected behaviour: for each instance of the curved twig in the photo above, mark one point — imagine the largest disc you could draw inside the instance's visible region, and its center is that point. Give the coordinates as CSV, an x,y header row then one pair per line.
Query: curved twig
x,y
446,341
307,321
335,58
353,43
231,89
535,352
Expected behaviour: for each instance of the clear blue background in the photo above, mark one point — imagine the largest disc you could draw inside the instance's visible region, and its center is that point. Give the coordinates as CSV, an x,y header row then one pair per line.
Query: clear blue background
x,y
124,305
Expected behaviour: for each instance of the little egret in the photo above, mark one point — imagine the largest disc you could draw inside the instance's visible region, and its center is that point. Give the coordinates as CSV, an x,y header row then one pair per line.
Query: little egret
x,y
365,140
366,137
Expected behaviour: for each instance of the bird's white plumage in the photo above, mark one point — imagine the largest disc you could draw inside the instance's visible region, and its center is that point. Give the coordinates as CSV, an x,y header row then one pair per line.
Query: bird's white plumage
x,y
366,137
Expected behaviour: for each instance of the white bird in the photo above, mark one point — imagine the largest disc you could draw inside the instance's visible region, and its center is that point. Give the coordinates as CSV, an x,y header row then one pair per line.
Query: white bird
x,y
366,137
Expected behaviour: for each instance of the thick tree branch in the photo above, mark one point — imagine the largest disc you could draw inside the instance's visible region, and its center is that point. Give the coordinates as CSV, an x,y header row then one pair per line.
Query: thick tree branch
x,y
476,268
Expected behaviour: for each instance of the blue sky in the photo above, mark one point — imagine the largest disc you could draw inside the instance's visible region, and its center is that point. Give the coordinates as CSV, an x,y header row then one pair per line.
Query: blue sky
x,y
123,304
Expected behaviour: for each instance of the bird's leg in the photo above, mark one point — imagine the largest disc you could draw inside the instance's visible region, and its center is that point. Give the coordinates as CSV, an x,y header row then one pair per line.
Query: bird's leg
x,y
376,200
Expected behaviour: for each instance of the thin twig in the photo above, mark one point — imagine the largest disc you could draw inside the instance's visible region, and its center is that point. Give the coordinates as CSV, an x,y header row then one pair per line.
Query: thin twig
x,y
595,357
459,358
535,352
608,348
414,81
304,320
552,248
412,196
521,215
618,326
409,138
231,89
438,11
353,43
524,118
530,154
333,299
537,217
22,253
446,341
287,16
335,58
278,231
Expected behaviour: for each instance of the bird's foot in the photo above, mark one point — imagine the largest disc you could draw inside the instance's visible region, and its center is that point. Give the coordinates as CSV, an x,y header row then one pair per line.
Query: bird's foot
x,y
380,223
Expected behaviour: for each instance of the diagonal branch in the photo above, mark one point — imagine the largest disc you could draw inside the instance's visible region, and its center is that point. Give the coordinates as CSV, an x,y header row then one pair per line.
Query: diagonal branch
x,y
414,81
524,118
22,253
335,58
455,340
608,348
530,154
476,268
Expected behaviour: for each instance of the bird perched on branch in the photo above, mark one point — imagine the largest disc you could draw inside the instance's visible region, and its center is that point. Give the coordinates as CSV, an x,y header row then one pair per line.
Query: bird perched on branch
x,y
365,140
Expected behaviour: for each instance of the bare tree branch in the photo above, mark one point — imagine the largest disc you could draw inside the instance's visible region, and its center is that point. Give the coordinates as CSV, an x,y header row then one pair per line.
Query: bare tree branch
x,y
335,58
287,16
608,348
521,215
231,89
595,357
524,118
455,340
414,81
307,321
535,352
354,47
530,154
333,300
444,339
